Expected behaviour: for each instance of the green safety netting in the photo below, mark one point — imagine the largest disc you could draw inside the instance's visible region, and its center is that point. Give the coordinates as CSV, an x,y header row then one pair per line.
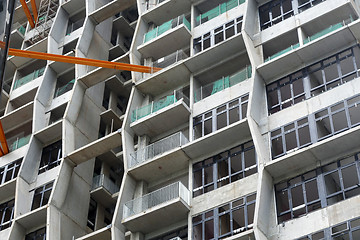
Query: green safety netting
x,y
164,27
21,30
29,78
150,35
153,107
164,102
67,87
283,52
226,82
323,32
20,142
186,23
220,85
222,8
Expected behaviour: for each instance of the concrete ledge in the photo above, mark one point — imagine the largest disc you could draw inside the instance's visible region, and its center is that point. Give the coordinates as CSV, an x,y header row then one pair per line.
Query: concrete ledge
x,y
50,133
34,218
319,153
96,148
162,120
17,117
216,53
166,43
165,10
304,55
159,216
110,9
221,139
169,78
160,166
101,234
7,190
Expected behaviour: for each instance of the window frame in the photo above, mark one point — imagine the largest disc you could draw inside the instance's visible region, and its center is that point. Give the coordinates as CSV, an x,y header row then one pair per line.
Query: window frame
x,y
44,189
212,115
213,215
276,88
319,175
213,163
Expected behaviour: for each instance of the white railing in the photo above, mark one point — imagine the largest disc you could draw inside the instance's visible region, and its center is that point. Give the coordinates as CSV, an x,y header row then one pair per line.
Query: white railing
x,y
103,181
162,195
166,144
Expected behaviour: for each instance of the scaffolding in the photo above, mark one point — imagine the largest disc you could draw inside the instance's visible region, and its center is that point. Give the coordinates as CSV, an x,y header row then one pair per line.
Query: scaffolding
x,y
46,13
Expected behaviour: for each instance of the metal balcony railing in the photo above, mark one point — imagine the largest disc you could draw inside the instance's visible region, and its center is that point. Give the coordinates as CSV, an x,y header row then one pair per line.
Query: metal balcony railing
x,y
168,60
166,144
162,195
221,84
103,181
19,142
28,78
220,9
154,106
165,27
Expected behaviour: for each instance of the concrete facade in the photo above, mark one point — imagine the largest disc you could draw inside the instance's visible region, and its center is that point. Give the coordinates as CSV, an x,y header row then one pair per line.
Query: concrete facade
x,y
249,131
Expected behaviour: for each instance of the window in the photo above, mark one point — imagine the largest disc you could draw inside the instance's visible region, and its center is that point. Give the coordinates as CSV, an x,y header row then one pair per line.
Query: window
x,y
345,230
224,168
290,137
92,214
39,234
318,188
227,220
220,117
181,233
51,157
218,35
6,214
10,171
313,80
42,195
276,11
316,127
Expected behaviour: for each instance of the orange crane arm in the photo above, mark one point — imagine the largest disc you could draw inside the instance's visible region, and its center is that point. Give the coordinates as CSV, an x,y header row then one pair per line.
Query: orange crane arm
x,y
27,13
5,149
83,61
34,10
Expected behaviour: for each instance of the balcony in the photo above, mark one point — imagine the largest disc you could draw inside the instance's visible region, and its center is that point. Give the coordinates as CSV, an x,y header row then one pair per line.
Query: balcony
x,y
220,9
171,204
166,38
28,78
63,89
328,30
159,159
221,84
214,46
150,119
96,148
18,142
315,47
103,189
161,10
174,76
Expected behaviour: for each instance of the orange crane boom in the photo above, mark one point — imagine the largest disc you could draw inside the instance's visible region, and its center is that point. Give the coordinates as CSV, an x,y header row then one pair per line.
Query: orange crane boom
x,y
83,61
4,149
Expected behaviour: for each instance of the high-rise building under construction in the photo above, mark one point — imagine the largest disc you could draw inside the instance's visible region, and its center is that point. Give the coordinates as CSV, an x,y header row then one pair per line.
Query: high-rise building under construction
x,y
250,130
